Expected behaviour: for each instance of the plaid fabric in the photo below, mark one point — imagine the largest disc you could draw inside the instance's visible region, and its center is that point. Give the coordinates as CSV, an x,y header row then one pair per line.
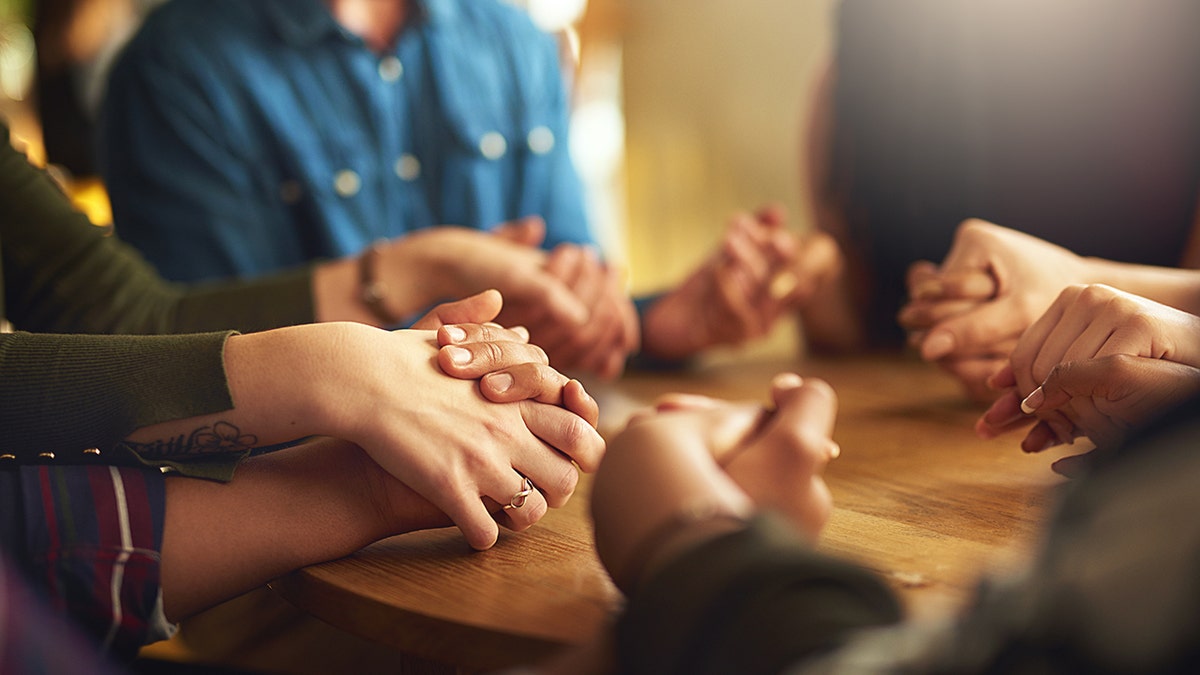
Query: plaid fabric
x,y
88,537
36,639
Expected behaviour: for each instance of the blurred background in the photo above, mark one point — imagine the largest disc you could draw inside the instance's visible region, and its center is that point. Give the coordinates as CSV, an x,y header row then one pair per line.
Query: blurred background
x,y
684,112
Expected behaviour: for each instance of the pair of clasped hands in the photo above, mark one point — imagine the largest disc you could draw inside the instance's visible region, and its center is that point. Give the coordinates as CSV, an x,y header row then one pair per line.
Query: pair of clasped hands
x,y
688,450
1019,322
576,308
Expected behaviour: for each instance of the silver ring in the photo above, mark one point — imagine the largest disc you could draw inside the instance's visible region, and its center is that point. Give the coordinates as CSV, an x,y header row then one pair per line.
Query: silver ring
x,y
518,499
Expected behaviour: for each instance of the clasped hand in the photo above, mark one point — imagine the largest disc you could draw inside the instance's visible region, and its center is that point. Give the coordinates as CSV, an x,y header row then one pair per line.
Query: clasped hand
x,y
729,458
1098,363
968,313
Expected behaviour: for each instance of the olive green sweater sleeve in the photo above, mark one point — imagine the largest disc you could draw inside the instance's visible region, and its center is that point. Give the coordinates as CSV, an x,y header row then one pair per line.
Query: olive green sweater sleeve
x,y
73,398
64,275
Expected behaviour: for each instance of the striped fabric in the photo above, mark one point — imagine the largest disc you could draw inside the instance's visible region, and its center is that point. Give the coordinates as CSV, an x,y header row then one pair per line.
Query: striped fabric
x,y
36,639
89,537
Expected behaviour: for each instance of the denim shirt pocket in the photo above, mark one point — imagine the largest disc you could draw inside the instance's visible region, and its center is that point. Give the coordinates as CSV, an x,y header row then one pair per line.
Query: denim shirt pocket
x,y
500,122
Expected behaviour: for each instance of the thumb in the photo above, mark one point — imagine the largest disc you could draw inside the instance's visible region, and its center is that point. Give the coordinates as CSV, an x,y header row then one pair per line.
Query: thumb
x,y
478,308
527,231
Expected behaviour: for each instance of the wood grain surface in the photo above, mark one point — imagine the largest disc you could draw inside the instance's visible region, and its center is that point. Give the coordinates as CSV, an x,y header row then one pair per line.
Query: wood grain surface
x,y
917,496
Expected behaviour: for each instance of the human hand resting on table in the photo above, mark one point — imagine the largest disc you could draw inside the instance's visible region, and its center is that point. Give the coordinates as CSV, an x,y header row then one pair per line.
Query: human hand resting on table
x,y
968,313
387,393
611,332
695,466
1098,363
760,272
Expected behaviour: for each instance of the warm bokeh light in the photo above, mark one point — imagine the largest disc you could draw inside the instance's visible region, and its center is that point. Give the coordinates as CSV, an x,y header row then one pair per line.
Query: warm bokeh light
x,y
555,15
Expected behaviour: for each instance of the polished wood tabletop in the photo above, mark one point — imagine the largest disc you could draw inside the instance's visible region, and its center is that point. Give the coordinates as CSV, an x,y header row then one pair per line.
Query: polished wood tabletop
x,y
918,498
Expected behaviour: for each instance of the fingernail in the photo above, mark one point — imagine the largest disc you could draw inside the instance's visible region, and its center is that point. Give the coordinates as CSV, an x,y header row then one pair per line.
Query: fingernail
x,y
455,333
459,355
787,381
1033,401
500,382
521,331
937,345
835,450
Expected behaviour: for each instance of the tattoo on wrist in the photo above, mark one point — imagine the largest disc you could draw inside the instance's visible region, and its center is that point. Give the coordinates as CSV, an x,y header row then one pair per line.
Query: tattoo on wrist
x,y
218,438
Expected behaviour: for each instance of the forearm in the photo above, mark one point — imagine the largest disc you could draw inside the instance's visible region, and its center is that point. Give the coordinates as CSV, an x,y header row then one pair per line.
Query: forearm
x,y
282,511
67,393
1178,288
282,384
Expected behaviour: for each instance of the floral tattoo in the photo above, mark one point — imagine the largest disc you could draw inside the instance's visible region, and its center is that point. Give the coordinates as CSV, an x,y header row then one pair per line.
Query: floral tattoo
x,y
220,438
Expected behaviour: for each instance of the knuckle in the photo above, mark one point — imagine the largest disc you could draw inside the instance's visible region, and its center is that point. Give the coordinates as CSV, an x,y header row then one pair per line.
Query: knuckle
x,y
491,352
1141,323
563,486
1096,294
1119,366
575,431
537,510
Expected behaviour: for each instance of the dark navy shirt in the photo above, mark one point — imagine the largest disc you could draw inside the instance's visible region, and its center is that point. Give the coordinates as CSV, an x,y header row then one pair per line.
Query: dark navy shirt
x,y
239,137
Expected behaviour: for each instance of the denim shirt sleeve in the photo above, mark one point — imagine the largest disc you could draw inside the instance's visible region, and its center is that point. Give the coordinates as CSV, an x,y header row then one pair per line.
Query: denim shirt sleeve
x,y
185,180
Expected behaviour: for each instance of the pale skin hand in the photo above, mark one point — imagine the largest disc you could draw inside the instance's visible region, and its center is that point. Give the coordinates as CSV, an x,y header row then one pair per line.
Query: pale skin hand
x,y
760,272
968,329
327,498
1092,331
968,313
318,501
452,446
732,458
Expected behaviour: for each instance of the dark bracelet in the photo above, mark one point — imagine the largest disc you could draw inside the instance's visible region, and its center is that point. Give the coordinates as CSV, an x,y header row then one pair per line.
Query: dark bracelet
x,y
373,291
679,523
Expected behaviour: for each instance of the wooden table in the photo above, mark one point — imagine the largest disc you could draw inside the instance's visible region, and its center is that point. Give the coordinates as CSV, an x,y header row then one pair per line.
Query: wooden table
x,y
917,496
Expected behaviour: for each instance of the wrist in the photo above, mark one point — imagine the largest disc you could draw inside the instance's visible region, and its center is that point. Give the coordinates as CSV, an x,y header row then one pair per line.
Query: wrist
x,y
690,526
373,292
422,266
668,332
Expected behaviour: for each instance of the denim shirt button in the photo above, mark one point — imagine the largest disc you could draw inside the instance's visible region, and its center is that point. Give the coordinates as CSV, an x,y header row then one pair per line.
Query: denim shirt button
x,y
540,140
408,167
493,145
346,183
390,69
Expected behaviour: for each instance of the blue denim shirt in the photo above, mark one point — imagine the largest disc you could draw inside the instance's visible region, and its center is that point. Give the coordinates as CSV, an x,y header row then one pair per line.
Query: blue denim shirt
x,y
244,136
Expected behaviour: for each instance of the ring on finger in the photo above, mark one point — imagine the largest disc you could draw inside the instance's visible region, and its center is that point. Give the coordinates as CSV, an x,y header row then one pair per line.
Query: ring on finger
x,y
521,496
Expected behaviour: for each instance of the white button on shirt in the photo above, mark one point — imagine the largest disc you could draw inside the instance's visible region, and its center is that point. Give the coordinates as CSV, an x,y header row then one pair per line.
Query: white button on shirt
x,y
346,183
540,140
408,167
390,68
493,145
